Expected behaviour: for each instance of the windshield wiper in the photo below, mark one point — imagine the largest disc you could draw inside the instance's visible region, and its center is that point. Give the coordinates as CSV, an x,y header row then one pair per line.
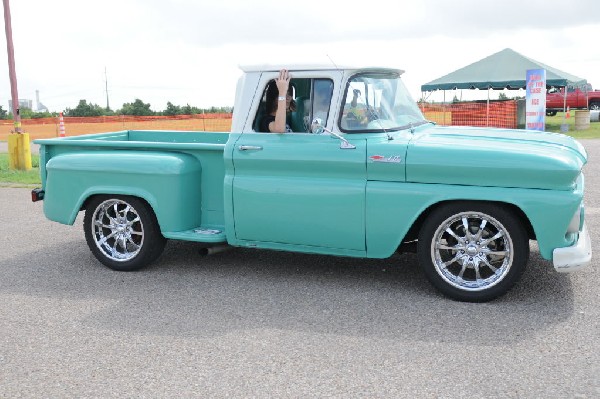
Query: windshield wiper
x,y
412,125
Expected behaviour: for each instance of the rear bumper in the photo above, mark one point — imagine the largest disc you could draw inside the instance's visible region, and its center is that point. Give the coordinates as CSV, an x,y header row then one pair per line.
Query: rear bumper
x,y
574,257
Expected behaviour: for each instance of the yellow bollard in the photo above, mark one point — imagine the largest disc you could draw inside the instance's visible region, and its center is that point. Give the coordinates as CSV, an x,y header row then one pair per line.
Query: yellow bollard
x,y
13,151
19,151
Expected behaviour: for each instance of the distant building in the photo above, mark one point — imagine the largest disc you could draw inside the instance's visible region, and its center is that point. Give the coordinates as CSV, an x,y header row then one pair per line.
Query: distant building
x,y
28,104
23,104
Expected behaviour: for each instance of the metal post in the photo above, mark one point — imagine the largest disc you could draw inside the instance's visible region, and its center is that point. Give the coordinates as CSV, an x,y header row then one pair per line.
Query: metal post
x,y
487,112
565,104
19,152
11,67
444,109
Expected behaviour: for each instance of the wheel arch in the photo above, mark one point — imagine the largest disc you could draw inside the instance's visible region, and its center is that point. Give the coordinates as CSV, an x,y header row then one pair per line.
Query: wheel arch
x,y
413,231
147,198
88,195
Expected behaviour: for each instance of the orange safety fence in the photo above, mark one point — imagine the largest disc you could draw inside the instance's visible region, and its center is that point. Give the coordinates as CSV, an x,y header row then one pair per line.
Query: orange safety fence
x,y
74,126
502,114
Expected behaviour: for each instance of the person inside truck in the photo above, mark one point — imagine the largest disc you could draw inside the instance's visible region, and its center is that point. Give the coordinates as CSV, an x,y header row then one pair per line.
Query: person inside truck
x,y
354,117
279,102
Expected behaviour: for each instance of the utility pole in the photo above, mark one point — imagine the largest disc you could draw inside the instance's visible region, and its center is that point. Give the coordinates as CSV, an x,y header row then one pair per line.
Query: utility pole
x,y
11,67
106,83
19,152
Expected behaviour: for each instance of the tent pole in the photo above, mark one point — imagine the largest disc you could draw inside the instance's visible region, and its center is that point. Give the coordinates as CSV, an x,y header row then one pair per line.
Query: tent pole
x,y
587,97
444,108
487,112
565,105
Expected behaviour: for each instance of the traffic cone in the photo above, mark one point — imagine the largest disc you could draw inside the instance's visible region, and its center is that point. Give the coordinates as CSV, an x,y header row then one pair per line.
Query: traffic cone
x,y
568,112
61,125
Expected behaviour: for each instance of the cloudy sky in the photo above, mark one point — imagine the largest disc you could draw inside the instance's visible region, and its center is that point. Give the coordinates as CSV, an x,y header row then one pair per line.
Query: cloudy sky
x,y
189,51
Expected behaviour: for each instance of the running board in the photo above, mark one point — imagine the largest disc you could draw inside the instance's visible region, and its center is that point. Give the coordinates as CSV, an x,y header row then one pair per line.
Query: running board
x,y
198,234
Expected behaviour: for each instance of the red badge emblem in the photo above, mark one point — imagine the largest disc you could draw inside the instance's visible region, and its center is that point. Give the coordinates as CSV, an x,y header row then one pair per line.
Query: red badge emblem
x,y
390,159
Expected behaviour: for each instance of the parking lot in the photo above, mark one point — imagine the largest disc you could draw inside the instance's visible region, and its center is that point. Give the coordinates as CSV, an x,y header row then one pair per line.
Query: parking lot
x,y
253,323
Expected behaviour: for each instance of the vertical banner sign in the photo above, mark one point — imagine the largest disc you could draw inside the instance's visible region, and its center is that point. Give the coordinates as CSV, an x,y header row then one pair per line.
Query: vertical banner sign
x,y
535,100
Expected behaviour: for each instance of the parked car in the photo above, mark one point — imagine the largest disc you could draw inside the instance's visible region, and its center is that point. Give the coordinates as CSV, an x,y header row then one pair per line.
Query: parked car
x,y
577,98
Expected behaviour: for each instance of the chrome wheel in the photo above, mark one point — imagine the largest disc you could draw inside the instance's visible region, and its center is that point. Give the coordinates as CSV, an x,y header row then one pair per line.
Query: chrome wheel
x,y
118,231
472,251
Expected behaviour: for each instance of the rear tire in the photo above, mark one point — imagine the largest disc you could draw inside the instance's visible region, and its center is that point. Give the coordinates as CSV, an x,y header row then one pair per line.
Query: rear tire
x,y
472,251
122,232
550,113
594,106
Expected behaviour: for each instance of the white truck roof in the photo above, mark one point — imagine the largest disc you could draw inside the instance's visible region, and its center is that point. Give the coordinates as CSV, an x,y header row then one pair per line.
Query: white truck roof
x,y
312,67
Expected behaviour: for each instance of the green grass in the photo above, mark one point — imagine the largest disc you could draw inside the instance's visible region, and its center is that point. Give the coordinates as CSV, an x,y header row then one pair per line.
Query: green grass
x,y
553,125
29,177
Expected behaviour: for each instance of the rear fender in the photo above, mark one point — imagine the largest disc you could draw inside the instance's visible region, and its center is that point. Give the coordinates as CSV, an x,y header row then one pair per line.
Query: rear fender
x,y
169,182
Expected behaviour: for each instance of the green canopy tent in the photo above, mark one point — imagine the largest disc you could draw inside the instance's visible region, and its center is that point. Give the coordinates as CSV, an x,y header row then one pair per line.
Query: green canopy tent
x,y
505,69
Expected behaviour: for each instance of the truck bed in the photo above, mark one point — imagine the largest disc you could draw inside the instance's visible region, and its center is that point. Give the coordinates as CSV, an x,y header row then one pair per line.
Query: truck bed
x,y
141,138
180,174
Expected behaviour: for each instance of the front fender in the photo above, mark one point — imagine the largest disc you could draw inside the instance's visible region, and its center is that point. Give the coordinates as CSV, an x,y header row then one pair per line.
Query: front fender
x,y
168,181
392,208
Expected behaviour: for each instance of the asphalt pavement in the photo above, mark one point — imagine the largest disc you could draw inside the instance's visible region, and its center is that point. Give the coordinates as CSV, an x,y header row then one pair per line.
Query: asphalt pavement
x,y
263,324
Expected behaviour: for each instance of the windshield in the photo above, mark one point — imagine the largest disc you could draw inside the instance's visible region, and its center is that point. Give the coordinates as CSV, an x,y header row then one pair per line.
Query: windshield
x,y
378,102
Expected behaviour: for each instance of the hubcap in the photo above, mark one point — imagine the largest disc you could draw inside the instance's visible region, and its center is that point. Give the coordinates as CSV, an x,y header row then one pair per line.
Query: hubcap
x,y
472,251
117,229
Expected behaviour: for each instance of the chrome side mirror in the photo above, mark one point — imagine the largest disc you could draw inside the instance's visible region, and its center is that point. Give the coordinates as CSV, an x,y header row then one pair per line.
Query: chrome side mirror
x,y
317,127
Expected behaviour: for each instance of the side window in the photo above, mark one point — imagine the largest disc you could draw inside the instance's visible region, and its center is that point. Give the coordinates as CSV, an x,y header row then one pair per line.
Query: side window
x,y
311,98
313,102
323,90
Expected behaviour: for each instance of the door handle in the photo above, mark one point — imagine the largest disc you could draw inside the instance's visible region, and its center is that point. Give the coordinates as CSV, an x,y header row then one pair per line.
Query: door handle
x,y
249,147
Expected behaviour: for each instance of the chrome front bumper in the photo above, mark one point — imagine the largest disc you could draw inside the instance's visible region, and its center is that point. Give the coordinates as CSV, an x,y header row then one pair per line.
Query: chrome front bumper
x,y
574,257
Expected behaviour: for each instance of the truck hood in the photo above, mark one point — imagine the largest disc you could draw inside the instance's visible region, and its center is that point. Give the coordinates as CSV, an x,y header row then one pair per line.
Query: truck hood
x,y
494,157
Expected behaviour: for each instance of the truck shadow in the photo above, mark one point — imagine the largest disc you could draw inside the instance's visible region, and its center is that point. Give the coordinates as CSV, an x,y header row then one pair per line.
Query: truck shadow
x,y
186,295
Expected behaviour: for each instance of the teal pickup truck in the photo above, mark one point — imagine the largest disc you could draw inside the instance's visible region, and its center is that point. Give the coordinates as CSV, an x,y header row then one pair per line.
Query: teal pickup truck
x,y
363,175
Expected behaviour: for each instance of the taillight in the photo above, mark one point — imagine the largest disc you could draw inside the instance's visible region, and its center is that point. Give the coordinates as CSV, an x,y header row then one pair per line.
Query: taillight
x,y
37,194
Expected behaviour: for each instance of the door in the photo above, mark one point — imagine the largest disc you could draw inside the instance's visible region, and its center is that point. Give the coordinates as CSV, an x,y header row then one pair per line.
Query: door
x,y
555,98
299,189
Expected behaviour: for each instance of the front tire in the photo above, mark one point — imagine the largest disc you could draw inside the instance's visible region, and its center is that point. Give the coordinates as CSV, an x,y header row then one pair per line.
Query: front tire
x,y
594,106
122,232
473,252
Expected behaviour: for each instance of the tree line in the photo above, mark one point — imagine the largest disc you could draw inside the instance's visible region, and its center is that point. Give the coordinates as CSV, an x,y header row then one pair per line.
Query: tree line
x,y
137,108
